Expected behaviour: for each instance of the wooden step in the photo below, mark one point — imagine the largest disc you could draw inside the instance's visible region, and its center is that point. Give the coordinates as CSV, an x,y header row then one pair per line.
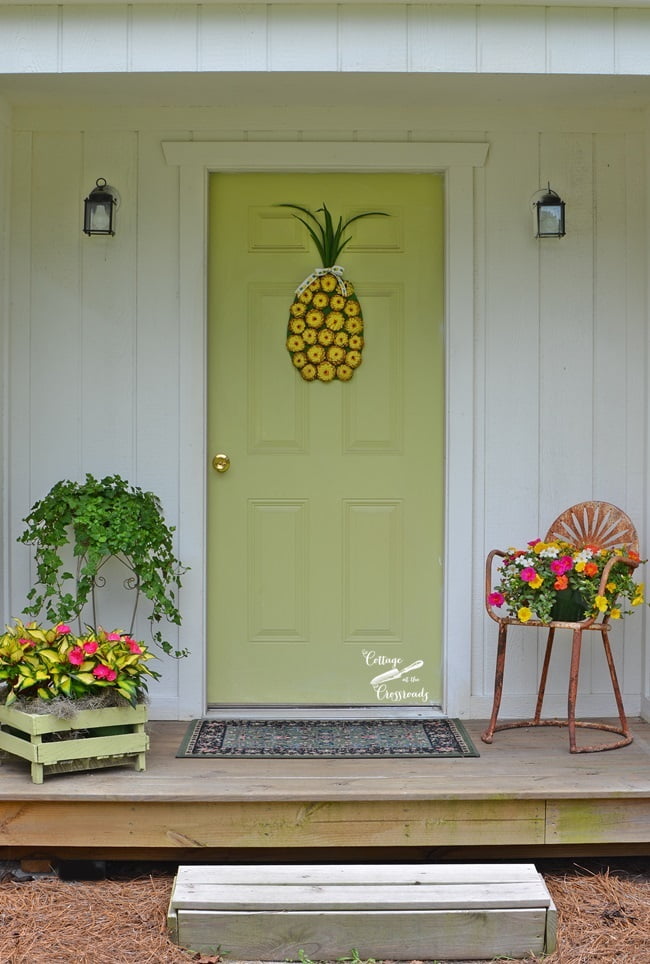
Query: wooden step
x,y
386,912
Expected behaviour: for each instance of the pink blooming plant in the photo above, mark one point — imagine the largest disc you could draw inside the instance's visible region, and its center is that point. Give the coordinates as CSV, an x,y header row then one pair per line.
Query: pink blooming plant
x,y
37,662
528,574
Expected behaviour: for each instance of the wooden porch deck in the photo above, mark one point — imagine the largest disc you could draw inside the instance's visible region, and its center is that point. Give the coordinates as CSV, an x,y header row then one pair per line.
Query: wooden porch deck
x,y
525,796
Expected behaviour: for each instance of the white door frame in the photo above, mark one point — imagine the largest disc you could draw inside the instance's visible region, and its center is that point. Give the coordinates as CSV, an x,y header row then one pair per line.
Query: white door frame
x,y
196,160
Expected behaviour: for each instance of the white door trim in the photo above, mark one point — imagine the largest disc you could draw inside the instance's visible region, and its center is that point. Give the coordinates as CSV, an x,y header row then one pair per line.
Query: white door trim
x,y
196,160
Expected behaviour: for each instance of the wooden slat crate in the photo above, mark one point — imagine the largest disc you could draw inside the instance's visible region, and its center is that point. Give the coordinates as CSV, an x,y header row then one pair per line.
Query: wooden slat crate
x,y
91,739
389,912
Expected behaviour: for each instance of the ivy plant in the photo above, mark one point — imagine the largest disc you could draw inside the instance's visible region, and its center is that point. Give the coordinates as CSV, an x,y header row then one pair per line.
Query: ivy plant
x,y
100,519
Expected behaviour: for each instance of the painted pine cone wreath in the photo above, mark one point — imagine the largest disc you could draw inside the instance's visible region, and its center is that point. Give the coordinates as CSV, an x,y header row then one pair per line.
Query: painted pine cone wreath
x,y
325,330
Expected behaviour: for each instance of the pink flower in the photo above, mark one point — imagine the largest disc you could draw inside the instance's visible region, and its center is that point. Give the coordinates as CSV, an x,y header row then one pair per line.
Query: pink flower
x,y
113,637
496,599
76,656
560,566
133,646
62,629
90,647
533,542
104,672
26,642
528,574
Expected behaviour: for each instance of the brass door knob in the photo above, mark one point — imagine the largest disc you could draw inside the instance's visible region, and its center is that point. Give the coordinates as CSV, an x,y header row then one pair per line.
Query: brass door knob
x,y
221,463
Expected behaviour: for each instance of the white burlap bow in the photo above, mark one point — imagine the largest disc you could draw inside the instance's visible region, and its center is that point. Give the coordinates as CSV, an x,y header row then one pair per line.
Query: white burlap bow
x,y
336,270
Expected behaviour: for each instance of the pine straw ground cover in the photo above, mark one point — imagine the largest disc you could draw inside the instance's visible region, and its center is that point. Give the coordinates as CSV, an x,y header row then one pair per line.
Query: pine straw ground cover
x,y
604,917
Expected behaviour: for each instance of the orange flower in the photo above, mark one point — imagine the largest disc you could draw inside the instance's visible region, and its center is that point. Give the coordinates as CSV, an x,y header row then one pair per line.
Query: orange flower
x,y
591,569
562,582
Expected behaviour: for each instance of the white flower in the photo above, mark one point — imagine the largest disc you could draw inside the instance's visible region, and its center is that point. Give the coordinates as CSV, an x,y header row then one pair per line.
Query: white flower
x,y
583,556
550,552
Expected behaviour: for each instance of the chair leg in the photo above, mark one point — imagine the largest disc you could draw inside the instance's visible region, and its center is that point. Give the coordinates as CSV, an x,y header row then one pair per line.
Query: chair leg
x,y
614,678
498,683
574,672
544,676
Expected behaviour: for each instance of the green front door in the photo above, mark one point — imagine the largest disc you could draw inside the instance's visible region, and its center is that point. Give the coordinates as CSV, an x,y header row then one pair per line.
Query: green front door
x,y
325,534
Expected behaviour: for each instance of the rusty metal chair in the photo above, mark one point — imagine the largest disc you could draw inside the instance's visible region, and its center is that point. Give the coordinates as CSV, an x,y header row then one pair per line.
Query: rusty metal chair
x,y
585,524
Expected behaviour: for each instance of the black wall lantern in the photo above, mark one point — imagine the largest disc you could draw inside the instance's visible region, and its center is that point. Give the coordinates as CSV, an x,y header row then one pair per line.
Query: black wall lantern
x,y
99,209
549,215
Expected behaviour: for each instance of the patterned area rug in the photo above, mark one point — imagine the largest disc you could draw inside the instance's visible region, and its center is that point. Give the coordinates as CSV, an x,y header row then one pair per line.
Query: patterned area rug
x,y
336,739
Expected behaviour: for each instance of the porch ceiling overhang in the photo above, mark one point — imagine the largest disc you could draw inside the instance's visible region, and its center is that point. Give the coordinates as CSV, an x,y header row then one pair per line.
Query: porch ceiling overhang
x,y
326,91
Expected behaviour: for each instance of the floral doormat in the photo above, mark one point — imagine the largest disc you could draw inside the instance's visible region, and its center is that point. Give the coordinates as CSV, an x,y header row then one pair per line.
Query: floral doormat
x,y
333,739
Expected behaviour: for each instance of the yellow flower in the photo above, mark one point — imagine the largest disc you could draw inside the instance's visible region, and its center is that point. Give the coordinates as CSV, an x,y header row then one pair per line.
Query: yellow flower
x,y
315,285
297,325
325,336
538,547
353,359
336,354
297,309
536,582
638,599
320,300
356,342
305,296
610,587
309,336
354,325
316,354
299,359
295,343
341,338
600,603
580,566
337,302
315,317
524,614
326,372
308,372
328,282
335,320
352,308
344,372
615,613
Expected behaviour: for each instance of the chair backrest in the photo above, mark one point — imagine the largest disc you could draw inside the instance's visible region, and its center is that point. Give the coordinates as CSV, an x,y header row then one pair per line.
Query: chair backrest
x,y
595,524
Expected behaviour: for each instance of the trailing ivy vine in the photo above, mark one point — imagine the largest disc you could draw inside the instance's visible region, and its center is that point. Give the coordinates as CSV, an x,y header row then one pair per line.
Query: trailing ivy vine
x,y
101,519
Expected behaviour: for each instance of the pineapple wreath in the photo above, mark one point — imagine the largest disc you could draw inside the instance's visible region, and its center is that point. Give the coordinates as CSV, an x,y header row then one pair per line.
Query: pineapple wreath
x,y
325,331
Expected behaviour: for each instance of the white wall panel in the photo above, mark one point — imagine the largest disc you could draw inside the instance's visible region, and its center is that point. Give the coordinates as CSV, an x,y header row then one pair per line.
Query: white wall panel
x,y
580,41
373,38
233,38
29,40
305,42
97,342
94,39
356,37
510,44
163,38
631,49
5,169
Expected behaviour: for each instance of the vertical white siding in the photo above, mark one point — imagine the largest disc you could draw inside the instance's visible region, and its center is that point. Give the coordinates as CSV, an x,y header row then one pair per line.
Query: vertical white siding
x,y
560,333
384,36
5,167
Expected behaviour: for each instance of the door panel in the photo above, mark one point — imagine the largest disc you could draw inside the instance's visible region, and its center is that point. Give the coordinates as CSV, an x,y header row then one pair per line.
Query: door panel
x,y
325,535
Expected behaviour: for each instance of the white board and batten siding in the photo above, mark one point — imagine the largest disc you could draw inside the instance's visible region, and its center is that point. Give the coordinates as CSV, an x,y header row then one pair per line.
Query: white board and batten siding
x,y
452,37
387,912
103,364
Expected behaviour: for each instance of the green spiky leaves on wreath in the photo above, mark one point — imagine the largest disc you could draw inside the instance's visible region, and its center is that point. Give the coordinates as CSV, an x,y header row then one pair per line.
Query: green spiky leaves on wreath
x,y
325,331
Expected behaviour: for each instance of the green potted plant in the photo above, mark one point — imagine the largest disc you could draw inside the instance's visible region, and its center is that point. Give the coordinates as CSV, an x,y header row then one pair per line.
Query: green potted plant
x,y
100,519
76,701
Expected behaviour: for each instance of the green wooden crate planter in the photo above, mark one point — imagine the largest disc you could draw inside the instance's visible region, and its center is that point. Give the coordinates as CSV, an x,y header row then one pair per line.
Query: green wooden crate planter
x,y
91,739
